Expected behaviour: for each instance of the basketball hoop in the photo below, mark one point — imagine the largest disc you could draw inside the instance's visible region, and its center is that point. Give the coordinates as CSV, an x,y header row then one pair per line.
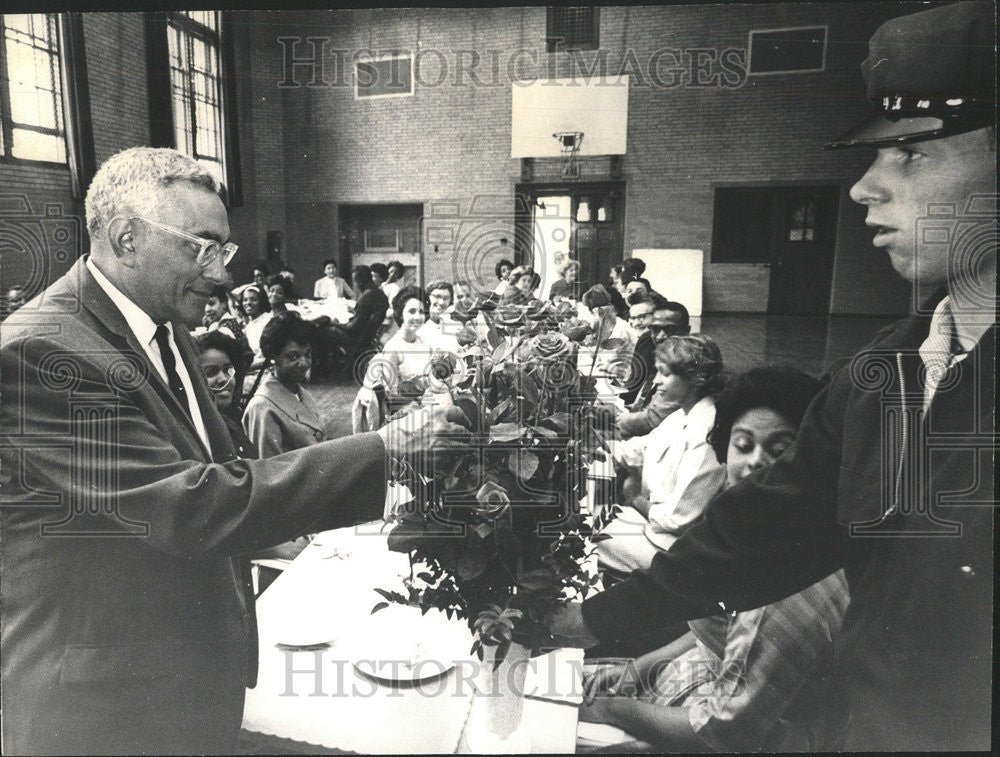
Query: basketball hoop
x,y
569,142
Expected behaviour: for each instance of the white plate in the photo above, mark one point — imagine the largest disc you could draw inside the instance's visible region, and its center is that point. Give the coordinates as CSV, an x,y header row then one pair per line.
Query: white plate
x,y
398,644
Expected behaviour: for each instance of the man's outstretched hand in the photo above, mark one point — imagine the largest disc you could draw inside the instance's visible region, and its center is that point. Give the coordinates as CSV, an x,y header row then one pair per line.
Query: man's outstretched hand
x,y
429,431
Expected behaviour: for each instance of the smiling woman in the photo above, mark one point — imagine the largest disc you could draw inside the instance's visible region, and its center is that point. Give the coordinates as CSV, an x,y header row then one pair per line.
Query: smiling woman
x,y
282,416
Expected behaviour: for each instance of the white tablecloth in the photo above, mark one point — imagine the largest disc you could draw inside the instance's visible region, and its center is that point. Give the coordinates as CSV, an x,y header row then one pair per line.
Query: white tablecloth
x,y
316,695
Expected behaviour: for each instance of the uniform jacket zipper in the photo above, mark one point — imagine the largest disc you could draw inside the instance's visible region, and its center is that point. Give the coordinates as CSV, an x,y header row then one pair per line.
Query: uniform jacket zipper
x,y
904,441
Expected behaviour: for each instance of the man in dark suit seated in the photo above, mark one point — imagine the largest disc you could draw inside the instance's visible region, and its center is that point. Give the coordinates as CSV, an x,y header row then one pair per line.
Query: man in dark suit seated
x,y
128,627
369,311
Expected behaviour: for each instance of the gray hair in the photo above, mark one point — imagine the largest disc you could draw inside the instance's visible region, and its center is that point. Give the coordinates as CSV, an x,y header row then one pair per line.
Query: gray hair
x,y
129,183
567,265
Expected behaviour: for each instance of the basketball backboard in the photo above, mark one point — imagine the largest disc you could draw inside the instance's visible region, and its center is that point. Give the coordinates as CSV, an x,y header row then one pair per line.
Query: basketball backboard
x,y
545,107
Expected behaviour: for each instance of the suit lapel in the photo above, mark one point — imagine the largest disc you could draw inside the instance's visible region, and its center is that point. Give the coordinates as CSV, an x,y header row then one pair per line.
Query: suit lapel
x,y
96,300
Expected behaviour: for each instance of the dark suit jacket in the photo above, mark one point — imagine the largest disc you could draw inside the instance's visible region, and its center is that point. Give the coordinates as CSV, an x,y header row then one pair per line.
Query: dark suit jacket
x,y
126,628
369,310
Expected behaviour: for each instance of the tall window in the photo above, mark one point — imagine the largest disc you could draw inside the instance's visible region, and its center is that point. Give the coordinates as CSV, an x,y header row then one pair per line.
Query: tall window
x,y
196,87
31,104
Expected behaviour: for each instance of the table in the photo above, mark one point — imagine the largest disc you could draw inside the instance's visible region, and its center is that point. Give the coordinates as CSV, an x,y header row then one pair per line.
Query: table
x,y
336,309
316,695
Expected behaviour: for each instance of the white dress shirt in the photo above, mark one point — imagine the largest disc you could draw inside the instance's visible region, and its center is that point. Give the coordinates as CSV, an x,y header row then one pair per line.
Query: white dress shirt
x,y
942,348
144,329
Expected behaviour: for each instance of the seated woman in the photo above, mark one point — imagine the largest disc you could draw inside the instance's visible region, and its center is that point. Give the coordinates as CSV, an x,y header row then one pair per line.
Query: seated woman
x,y
220,316
613,365
522,285
281,416
222,361
680,472
281,295
404,358
742,681
258,313
331,285
566,286
503,269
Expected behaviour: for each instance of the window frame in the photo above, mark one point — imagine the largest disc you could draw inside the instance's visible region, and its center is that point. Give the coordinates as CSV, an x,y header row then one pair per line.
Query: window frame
x,y
371,59
786,72
163,132
557,44
6,116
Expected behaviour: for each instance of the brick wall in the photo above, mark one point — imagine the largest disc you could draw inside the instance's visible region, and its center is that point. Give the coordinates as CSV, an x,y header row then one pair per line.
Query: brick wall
x,y
304,150
450,141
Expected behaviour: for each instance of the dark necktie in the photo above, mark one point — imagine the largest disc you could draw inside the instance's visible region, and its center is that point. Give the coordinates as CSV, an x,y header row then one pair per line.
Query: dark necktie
x,y
167,356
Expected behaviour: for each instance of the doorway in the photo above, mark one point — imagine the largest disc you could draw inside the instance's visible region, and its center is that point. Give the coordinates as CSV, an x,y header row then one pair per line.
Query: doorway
x,y
792,230
583,221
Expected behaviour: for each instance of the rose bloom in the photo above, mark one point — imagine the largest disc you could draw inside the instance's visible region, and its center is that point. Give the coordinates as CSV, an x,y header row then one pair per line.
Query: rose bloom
x,y
575,329
550,346
493,501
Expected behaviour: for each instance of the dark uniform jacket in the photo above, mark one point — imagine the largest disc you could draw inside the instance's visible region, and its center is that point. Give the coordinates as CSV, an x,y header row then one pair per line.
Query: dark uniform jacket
x,y
905,502
126,625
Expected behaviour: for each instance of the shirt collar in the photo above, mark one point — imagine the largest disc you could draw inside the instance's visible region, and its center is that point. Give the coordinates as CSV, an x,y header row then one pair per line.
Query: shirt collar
x,y
138,321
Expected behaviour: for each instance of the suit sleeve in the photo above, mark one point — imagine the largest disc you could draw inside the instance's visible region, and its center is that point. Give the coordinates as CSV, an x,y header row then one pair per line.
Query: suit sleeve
x,y
192,508
764,539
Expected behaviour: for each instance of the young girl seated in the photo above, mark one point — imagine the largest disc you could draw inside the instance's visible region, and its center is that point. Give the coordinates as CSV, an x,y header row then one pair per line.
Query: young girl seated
x,y
739,681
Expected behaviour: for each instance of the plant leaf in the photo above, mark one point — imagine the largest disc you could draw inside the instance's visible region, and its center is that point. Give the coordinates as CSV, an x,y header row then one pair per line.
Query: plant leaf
x,y
522,463
506,432
379,606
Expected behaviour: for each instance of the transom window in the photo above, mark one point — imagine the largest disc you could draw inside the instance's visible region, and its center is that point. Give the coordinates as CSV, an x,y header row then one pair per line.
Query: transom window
x,y
572,28
196,87
31,105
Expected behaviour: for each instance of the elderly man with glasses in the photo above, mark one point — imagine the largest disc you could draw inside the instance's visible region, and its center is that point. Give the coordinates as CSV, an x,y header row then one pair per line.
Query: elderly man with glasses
x,y
127,624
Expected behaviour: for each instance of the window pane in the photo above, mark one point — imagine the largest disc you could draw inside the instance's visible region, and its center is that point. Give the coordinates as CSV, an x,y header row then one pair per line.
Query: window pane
x,y
32,51
32,145
195,85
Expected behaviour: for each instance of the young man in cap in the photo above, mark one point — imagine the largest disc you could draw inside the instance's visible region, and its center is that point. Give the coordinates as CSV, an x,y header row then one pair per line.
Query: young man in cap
x,y
892,474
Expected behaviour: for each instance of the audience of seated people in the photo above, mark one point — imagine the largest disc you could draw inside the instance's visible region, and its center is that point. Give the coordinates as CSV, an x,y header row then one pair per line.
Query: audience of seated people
x,y
679,473
331,285
682,436
741,681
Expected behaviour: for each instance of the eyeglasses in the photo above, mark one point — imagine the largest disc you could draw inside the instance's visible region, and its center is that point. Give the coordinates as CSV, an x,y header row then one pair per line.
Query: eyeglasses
x,y
208,249
668,330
